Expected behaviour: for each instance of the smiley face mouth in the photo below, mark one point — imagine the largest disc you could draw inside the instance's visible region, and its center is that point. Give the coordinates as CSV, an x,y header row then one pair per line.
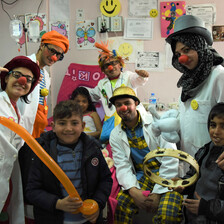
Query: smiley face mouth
x,y
109,12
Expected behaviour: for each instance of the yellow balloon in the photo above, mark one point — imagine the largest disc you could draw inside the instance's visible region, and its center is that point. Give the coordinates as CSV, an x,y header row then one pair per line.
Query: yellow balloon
x,y
110,8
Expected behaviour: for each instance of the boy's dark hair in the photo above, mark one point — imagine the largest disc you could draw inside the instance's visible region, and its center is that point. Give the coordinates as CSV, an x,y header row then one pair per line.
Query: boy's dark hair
x,y
84,92
67,108
216,111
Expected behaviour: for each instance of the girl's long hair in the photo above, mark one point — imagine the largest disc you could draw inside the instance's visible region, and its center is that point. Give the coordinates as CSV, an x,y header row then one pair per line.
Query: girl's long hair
x,y
84,92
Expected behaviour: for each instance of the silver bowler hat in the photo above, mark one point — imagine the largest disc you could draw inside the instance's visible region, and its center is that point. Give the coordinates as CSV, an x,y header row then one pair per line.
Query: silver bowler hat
x,y
190,24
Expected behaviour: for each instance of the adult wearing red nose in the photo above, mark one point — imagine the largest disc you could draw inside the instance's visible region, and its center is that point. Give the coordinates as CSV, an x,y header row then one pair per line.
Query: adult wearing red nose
x,y
52,48
111,64
201,81
18,79
130,141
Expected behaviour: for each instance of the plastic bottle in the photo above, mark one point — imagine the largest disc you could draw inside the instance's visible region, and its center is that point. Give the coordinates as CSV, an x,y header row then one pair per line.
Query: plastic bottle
x,y
16,29
34,30
152,100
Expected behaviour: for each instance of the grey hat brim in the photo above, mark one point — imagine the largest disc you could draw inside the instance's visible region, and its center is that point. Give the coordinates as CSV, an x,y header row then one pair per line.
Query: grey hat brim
x,y
198,30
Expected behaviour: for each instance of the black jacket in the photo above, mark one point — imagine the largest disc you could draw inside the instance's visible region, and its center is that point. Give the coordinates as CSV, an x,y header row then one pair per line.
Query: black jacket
x,y
213,209
43,188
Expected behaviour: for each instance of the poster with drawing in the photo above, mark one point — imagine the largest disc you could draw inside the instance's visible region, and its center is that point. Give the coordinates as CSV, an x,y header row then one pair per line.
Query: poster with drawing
x,y
126,48
169,12
61,27
85,34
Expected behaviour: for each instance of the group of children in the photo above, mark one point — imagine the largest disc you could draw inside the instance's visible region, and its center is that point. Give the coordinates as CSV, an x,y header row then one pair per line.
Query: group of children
x,y
74,145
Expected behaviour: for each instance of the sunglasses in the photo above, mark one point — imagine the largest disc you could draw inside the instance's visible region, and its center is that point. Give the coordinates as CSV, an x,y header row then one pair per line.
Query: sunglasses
x,y
52,51
113,63
17,75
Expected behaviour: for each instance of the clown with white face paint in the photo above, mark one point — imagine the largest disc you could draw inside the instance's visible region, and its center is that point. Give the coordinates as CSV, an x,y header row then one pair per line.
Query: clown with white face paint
x,y
18,79
201,81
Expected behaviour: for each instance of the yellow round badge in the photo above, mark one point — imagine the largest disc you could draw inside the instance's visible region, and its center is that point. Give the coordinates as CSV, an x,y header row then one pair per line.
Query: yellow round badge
x,y
194,104
153,13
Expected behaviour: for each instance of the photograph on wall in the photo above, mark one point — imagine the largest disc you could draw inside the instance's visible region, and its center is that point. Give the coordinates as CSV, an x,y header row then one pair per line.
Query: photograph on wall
x,y
61,27
218,33
85,34
169,12
126,48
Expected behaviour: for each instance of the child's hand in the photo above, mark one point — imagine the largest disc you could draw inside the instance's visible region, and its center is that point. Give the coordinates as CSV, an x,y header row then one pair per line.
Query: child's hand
x,y
3,69
142,73
193,204
69,204
220,161
92,218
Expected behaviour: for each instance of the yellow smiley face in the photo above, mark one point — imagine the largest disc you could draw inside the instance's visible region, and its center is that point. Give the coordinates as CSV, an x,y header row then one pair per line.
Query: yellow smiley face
x,y
125,49
153,13
110,8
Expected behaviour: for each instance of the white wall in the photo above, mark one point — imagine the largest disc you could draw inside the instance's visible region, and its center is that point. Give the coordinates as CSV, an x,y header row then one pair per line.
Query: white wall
x,y
162,83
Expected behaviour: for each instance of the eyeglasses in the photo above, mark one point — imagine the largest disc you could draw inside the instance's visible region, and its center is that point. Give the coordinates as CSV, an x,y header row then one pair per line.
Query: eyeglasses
x,y
113,63
17,75
52,51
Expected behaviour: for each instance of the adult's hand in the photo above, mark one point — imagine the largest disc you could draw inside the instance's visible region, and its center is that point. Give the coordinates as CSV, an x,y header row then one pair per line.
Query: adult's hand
x,y
138,197
142,73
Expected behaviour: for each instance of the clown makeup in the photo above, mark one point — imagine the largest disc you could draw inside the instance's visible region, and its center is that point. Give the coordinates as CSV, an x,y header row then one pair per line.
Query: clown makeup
x,y
126,109
16,89
192,55
112,68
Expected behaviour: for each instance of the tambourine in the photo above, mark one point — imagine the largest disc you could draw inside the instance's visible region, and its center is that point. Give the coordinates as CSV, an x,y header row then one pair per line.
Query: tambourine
x,y
172,153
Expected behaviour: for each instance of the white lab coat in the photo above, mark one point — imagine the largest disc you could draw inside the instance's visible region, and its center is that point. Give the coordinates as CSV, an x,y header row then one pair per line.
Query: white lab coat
x,y
193,123
125,171
28,111
9,165
128,78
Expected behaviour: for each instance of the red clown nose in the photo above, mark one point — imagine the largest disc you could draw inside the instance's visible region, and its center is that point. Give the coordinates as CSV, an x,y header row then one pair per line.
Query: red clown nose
x,y
183,59
110,67
54,58
123,108
22,80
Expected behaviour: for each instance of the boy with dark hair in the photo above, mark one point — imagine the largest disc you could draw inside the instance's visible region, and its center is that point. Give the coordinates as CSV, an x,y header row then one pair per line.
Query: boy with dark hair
x,y
80,157
205,202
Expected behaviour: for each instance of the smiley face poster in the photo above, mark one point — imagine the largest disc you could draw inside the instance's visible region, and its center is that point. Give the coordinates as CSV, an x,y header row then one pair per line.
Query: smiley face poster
x,y
169,12
110,8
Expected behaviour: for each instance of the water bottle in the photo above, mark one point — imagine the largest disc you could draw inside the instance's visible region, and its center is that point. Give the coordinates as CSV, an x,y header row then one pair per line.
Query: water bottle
x,y
152,100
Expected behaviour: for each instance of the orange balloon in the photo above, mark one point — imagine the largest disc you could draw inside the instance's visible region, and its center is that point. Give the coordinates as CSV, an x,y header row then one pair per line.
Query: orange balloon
x,y
89,206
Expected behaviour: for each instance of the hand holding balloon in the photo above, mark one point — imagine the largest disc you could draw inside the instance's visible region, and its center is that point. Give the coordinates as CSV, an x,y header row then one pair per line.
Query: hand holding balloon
x,y
89,206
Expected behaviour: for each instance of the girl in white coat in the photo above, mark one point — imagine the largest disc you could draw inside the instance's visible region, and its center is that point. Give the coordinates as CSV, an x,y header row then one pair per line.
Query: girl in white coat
x,y
202,79
18,79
